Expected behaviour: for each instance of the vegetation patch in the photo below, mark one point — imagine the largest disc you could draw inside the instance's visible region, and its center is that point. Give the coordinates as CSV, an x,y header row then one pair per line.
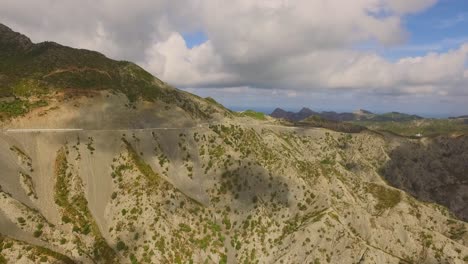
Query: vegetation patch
x,y
386,198
75,206
27,183
253,114
18,107
145,169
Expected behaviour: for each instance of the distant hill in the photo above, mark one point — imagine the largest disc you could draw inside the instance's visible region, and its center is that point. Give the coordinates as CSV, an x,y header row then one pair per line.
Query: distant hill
x,y
463,118
459,117
317,121
292,116
394,116
359,115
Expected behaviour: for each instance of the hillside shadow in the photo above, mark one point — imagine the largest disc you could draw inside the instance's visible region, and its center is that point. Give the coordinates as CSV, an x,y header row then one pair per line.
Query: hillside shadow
x,y
243,182
253,185
433,172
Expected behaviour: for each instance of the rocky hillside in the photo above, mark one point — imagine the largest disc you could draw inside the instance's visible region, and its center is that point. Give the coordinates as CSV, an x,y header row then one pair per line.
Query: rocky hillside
x,y
98,177
238,191
29,73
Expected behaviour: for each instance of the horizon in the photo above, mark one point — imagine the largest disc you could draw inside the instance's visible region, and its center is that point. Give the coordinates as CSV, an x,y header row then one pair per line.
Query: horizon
x,y
269,110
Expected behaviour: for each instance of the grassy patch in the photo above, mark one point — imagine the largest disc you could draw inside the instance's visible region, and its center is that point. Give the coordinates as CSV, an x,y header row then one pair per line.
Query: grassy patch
x,y
386,198
14,108
19,107
253,114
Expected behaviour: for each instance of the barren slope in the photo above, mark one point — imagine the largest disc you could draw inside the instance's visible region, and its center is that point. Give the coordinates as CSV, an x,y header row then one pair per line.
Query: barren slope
x,y
232,189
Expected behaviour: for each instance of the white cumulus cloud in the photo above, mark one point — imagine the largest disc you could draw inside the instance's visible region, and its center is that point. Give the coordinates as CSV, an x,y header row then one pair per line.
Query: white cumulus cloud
x,y
290,45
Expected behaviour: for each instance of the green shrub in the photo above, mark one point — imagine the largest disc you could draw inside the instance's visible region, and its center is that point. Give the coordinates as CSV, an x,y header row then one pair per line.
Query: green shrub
x,y
121,245
133,259
184,227
37,233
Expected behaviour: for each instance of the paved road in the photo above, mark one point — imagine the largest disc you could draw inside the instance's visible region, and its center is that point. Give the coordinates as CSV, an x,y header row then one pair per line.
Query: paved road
x,y
29,130
61,130
64,130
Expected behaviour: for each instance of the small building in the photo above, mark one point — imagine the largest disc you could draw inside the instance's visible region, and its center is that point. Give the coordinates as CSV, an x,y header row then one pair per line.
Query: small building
x,y
418,135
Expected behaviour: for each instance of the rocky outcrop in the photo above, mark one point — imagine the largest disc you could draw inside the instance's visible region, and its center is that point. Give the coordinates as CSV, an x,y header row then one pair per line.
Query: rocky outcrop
x,y
11,41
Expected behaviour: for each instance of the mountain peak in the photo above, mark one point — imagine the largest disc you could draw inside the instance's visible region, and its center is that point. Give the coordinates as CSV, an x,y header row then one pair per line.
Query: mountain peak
x,y
306,110
13,41
278,110
362,112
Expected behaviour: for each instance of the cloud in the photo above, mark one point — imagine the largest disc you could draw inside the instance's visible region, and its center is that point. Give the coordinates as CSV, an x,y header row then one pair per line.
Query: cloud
x,y
319,69
119,28
288,45
413,6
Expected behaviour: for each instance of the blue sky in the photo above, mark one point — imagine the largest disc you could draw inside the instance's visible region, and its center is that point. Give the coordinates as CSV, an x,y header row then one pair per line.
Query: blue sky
x,y
195,38
438,29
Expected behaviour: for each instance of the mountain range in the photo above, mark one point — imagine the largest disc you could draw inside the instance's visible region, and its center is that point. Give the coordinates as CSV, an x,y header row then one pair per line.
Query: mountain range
x,y
359,115
101,162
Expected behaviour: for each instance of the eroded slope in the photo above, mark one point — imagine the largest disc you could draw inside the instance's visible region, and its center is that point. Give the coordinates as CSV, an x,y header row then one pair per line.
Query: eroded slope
x,y
234,190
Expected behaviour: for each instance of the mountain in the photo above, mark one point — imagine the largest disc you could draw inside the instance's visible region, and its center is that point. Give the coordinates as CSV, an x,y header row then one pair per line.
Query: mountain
x,y
359,115
302,114
306,112
337,116
128,169
362,112
30,70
